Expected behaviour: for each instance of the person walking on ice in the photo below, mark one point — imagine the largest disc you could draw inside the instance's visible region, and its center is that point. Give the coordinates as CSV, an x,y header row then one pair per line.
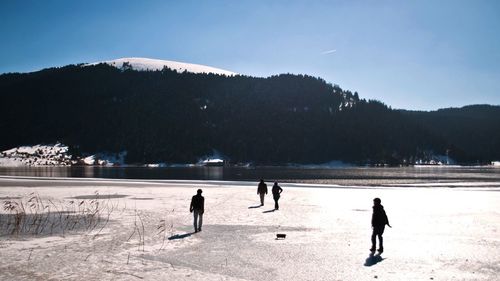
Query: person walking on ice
x,y
262,191
197,207
276,195
379,220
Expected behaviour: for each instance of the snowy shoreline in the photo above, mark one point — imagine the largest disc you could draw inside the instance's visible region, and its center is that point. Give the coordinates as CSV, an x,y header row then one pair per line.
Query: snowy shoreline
x,y
57,155
438,233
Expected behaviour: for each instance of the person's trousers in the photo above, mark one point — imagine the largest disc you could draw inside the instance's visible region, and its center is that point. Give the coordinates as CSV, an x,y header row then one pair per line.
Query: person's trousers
x,y
198,220
262,195
378,231
276,206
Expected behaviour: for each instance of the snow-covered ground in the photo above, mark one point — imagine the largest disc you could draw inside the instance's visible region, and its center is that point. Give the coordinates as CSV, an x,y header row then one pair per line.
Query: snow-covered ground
x,y
55,155
213,162
437,234
37,155
143,64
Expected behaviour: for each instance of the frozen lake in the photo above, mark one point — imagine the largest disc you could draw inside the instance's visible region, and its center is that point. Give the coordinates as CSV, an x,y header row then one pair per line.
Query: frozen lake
x,y
438,233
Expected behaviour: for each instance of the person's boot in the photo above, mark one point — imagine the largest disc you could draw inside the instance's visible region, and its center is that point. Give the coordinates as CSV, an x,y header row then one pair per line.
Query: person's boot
x,y
380,250
372,249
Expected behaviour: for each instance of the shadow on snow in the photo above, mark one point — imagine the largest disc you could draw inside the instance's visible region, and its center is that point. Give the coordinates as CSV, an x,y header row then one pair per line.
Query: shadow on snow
x,y
373,259
180,236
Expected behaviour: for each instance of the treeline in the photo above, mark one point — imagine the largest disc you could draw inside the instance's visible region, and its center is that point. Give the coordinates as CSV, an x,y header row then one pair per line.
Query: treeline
x,y
473,131
166,116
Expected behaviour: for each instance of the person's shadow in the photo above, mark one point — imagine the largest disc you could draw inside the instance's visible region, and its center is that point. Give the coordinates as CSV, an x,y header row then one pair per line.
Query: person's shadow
x,y
256,206
180,236
373,259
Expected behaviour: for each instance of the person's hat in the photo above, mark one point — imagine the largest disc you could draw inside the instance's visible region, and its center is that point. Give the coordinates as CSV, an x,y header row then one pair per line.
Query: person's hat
x,y
377,200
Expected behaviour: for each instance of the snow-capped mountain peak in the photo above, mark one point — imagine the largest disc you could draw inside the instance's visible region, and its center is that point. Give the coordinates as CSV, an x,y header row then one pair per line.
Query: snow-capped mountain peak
x,y
143,64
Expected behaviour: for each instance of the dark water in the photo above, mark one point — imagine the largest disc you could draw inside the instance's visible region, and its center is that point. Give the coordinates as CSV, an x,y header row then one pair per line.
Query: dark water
x,y
361,175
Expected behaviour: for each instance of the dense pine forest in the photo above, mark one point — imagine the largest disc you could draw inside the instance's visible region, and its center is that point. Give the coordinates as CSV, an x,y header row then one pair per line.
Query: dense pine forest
x,y
166,116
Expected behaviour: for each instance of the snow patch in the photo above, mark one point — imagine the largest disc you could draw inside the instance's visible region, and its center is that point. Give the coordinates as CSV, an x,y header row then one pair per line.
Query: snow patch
x,y
146,64
435,160
89,160
105,159
37,155
216,159
55,155
111,159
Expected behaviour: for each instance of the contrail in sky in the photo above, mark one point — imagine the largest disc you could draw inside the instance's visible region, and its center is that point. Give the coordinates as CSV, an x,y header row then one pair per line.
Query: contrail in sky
x,y
328,52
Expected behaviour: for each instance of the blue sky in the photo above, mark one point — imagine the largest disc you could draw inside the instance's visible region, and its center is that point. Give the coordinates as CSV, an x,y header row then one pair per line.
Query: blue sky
x,y
409,54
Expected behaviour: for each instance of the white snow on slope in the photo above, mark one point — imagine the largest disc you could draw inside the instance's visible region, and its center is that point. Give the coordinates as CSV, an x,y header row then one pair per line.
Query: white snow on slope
x,y
37,155
55,155
144,64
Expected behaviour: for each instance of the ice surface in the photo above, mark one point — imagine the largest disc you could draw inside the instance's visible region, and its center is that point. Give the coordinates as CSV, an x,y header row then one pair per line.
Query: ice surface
x,y
331,164
437,234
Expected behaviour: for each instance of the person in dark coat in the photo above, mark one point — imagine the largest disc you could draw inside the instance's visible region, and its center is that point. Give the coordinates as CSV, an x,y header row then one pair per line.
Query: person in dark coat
x,y
197,207
262,191
379,220
276,195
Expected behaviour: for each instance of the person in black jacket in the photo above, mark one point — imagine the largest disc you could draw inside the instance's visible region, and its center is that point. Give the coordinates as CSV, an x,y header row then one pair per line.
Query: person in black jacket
x,y
379,220
262,191
197,207
276,195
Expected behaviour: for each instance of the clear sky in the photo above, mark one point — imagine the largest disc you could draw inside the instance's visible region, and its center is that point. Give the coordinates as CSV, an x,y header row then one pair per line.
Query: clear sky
x,y
412,54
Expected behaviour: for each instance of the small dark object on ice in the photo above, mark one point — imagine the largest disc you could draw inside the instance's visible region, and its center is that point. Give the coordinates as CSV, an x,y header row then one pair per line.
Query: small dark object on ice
x,y
280,235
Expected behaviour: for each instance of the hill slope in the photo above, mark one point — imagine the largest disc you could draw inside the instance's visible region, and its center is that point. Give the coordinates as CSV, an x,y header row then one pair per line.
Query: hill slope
x,y
167,116
474,130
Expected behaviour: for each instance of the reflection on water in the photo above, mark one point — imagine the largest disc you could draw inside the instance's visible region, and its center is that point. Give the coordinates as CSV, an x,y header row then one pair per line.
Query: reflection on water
x,y
36,171
361,175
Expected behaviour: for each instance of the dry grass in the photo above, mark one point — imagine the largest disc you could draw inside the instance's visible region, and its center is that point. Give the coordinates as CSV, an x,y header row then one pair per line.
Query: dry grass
x,y
164,226
37,216
139,230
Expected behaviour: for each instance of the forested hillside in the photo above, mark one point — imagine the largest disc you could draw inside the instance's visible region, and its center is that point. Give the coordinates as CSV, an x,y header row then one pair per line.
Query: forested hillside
x,y
166,116
473,130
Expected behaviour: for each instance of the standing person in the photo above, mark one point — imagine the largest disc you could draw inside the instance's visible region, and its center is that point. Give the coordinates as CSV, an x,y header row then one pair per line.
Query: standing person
x,y
276,195
262,191
197,207
379,220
